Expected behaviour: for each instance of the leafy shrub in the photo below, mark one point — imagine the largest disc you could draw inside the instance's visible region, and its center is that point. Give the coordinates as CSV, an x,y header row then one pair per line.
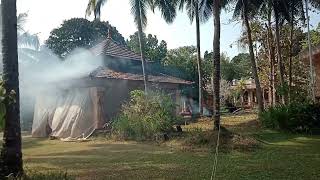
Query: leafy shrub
x,y
303,117
2,106
145,116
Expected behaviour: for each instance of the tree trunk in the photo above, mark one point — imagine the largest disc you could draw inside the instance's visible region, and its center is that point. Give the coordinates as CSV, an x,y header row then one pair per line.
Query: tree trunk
x,y
199,59
142,49
272,61
11,156
253,61
312,74
280,63
291,54
216,63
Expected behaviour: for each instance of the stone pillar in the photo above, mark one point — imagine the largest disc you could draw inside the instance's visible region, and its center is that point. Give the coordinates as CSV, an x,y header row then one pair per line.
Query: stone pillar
x,y
178,102
250,100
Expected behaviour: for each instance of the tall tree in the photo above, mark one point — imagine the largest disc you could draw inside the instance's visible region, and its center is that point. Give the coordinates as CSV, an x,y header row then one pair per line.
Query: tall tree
x,y
270,40
95,7
139,11
280,11
80,33
194,13
11,156
277,11
216,62
243,9
215,7
296,11
155,50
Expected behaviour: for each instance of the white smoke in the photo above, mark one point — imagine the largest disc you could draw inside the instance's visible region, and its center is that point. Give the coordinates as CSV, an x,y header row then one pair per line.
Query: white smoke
x,y
42,73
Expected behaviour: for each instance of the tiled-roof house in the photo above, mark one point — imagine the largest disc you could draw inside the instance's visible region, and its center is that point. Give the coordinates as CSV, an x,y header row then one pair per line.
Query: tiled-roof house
x,y
248,96
89,103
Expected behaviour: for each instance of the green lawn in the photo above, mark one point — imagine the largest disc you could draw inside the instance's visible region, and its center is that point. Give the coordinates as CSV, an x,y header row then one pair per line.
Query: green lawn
x,y
281,156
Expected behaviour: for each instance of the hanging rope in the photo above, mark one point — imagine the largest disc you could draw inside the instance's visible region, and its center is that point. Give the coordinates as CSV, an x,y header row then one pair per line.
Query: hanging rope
x,y
215,164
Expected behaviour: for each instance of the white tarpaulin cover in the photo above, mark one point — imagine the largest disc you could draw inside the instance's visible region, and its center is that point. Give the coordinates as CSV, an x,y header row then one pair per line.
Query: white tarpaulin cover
x,y
71,114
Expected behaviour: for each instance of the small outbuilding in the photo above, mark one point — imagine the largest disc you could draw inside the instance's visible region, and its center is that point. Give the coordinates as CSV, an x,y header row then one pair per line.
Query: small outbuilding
x,y
248,93
77,108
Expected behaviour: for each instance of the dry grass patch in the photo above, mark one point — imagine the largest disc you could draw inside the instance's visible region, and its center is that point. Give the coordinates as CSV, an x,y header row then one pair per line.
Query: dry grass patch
x,y
200,137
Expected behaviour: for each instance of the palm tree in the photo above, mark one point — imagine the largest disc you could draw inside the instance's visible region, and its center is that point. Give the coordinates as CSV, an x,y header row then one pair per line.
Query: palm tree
x,y
216,62
295,8
95,7
11,156
194,13
288,10
270,41
243,9
139,11
28,40
214,7
25,39
278,10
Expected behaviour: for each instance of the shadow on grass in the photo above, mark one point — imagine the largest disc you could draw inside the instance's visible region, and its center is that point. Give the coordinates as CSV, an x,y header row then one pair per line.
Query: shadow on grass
x,y
28,142
111,160
282,138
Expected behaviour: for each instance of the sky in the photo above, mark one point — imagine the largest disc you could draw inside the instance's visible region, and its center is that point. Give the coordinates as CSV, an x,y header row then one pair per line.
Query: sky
x,y
45,15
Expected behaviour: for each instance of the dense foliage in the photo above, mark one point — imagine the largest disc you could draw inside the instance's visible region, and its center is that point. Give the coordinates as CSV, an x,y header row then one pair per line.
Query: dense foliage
x,y
80,33
155,51
145,116
236,68
296,117
315,37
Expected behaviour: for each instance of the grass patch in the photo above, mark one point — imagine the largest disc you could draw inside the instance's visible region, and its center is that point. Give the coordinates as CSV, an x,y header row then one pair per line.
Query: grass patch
x,y
281,156
48,175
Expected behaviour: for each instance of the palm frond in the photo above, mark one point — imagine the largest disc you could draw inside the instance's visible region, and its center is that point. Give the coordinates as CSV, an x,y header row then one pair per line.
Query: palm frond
x,y
167,9
315,4
21,20
29,40
253,7
94,6
97,9
139,12
90,7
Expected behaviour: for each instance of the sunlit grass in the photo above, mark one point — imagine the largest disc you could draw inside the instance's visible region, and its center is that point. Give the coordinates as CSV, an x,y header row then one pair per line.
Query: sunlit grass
x,y
281,156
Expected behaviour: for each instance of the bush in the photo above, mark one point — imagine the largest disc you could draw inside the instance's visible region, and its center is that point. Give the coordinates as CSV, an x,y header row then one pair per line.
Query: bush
x,y
145,116
303,117
2,106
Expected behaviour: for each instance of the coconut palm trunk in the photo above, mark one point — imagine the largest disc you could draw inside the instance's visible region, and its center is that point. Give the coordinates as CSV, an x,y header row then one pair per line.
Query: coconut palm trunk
x,y
280,63
11,156
216,63
271,48
142,44
312,88
291,54
252,59
272,92
199,58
